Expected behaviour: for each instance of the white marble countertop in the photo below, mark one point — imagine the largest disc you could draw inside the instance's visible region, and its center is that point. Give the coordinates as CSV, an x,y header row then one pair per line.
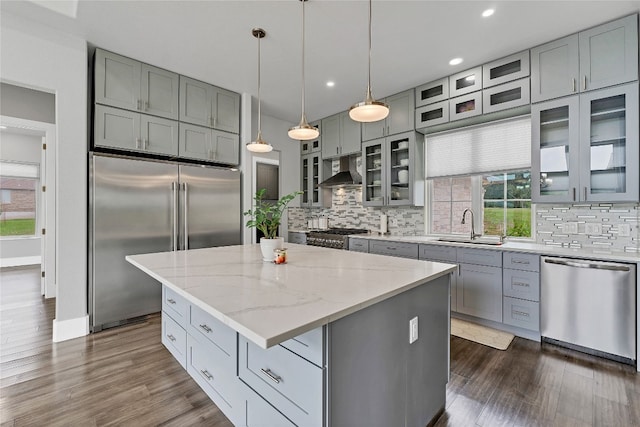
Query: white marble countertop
x,y
515,246
269,303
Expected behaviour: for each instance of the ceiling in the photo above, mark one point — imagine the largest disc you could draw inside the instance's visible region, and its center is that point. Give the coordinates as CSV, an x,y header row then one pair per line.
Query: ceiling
x,y
412,44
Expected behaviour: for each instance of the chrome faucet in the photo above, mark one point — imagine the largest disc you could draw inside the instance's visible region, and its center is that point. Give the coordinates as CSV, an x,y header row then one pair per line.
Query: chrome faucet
x,y
473,230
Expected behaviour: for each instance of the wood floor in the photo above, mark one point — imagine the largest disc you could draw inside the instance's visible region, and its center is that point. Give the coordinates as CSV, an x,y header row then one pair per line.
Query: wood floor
x,y
124,376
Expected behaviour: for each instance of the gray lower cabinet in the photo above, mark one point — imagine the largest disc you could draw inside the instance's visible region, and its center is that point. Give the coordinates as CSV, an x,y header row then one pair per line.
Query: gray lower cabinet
x,y
201,143
299,238
358,245
174,338
479,283
259,413
521,290
441,253
131,131
399,249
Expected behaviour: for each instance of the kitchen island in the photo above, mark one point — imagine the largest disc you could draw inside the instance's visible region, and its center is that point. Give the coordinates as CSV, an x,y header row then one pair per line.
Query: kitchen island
x,y
322,340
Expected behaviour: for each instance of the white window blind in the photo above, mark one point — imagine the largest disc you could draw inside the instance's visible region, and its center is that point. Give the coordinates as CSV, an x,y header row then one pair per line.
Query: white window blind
x,y
493,147
19,170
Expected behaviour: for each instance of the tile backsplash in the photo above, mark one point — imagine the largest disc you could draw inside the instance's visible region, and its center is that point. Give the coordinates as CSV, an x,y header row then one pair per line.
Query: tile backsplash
x,y
607,226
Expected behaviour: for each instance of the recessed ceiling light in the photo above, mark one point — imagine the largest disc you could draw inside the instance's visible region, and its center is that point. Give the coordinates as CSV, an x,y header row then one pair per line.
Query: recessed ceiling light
x,y
330,84
487,13
455,61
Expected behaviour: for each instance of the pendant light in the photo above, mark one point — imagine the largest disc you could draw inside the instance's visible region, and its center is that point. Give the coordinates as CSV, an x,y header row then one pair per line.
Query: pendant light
x,y
259,145
369,110
304,131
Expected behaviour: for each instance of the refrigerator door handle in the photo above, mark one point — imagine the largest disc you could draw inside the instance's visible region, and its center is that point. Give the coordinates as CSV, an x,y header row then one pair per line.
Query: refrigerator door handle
x,y
174,231
186,216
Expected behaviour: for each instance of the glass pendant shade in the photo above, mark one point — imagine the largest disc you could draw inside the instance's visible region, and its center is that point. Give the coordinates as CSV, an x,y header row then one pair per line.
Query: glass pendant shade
x,y
259,145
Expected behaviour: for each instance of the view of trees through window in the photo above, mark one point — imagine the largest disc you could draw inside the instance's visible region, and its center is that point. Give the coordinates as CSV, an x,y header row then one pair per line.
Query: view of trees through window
x,y
503,200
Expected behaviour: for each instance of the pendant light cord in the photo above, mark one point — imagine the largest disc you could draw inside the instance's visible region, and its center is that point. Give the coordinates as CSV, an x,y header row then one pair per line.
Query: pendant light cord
x,y
259,112
303,80
369,79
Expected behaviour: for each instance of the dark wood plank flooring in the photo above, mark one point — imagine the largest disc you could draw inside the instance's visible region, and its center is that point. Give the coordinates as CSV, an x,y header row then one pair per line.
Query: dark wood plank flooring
x,y
124,376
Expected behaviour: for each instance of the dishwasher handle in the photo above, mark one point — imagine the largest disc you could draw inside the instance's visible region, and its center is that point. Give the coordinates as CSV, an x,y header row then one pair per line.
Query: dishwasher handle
x,y
612,267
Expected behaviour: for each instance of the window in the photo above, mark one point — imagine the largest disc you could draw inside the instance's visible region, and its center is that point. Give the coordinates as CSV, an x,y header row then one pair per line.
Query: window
x,y
18,187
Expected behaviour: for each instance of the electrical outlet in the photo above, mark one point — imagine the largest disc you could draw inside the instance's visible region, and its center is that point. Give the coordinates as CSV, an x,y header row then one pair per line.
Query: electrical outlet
x,y
624,230
570,228
593,229
413,330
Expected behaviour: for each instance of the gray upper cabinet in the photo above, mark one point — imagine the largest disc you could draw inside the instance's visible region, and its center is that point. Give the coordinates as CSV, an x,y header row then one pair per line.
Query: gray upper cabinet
x,y
432,92
197,142
341,136
400,118
505,96
505,70
127,130
207,105
125,83
465,82
596,58
469,105
312,146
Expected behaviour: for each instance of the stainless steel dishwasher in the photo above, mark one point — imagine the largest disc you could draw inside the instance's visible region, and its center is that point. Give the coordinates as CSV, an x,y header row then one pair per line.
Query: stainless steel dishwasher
x,y
589,306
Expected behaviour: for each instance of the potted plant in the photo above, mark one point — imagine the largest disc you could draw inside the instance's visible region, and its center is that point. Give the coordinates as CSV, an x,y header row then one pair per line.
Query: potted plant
x,y
266,218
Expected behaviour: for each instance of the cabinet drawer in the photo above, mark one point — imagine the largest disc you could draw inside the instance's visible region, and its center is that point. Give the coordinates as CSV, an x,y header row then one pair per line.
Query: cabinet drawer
x,y
432,114
508,95
404,250
521,284
480,257
290,383
465,82
437,253
215,373
465,106
174,338
518,261
308,345
202,324
507,69
358,245
298,238
432,92
521,313
175,306
260,413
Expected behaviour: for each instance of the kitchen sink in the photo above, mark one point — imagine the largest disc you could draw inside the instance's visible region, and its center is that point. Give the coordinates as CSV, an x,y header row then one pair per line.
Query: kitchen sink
x,y
476,241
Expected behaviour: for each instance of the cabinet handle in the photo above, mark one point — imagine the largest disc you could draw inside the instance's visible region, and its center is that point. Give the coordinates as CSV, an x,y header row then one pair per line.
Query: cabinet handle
x,y
171,337
171,301
206,374
523,284
146,105
574,194
520,261
273,377
138,144
585,194
215,122
206,328
138,104
145,143
519,313
391,248
573,85
584,82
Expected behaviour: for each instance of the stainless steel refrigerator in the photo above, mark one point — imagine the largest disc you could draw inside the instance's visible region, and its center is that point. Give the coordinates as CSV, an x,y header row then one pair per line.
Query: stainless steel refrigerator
x,y
142,206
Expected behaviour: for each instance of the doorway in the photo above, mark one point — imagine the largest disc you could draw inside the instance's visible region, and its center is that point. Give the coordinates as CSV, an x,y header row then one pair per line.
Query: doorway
x,y
266,173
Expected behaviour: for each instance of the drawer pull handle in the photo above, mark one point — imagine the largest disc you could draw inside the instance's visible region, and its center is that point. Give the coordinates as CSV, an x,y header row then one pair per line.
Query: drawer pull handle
x,y
526,285
171,337
520,261
519,313
206,374
206,328
273,377
390,248
171,301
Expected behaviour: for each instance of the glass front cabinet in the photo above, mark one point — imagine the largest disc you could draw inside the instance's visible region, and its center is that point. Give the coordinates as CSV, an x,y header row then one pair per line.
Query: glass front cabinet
x,y
311,174
585,147
392,175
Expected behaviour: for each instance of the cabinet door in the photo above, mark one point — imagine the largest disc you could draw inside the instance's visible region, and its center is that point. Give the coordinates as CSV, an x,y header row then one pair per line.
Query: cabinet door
x,y
195,102
507,69
159,92
374,130
402,111
331,136
609,54
432,92
225,147
432,114
315,178
609,144
465,82
373,173
503,97
159,135
555,150
399,169
117,80
554,69
116,128
465,106
194,142
305,177
225,110
479,291
350,135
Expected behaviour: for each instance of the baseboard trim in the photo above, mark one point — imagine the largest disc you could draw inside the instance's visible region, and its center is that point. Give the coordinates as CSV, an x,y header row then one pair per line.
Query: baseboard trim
x,y
72,328
20,261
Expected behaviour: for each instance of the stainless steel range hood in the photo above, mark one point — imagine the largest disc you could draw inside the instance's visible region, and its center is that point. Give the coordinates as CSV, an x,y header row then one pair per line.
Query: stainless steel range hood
x,y
347,175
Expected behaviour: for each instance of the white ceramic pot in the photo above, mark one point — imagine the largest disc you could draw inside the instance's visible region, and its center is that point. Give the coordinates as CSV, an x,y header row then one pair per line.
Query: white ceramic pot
x,y
403,176
268,245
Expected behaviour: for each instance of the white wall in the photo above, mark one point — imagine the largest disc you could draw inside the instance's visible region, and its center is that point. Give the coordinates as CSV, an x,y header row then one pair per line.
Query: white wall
x,y
35,56
20,250
287,151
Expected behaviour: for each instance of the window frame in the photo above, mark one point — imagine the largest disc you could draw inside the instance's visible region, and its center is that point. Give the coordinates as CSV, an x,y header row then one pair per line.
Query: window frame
x,y
37,195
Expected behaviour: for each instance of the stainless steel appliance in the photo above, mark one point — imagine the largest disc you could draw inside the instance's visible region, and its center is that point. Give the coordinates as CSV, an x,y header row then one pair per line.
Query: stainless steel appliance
x,y
589,306
140,206
337,238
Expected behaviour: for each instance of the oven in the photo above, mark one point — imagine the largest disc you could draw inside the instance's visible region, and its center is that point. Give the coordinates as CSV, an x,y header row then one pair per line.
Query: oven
x,y
337,238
